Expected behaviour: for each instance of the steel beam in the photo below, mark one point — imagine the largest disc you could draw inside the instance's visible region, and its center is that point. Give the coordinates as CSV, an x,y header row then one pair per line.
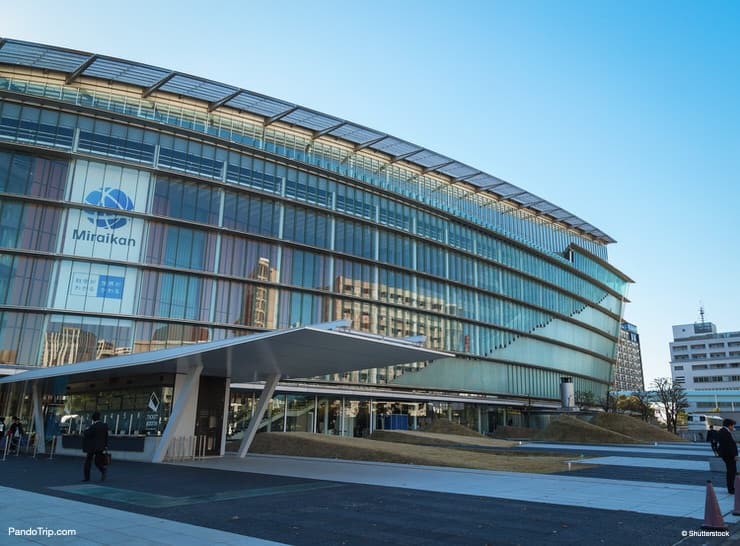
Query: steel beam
x,y
157,85
80,69
439,166
370,143
280,116
220,102
328,130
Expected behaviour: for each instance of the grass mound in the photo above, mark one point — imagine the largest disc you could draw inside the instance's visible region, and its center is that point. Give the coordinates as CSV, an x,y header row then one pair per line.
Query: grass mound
x,y
423,438
517,433
305,444
445,426
634,428
570,429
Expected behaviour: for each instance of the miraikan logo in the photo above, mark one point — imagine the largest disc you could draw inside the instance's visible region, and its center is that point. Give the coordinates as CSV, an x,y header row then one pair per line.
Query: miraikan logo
x,y
153,402
111,198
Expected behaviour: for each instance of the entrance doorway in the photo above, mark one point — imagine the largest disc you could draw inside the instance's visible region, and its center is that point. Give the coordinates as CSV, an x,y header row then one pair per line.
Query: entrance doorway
x,y
210,417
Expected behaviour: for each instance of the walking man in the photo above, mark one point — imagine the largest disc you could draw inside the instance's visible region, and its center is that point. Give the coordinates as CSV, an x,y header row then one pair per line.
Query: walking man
x,y
94,443
15,435
727,449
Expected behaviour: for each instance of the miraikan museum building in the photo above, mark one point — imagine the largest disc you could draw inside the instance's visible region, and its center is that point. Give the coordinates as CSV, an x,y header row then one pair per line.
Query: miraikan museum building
x,y
146,209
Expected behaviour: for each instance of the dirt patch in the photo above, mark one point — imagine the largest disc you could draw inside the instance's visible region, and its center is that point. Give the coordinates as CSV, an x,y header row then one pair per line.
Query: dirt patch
x,y
634,428
304,444
570,429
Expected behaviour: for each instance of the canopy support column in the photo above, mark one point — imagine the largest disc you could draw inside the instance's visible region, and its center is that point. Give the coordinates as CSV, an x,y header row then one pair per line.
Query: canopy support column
x,y
225,419
184,408
265,397
38,418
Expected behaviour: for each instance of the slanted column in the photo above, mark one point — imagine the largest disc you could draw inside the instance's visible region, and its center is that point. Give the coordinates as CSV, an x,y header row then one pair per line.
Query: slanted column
x,y
225,420
38,418
265,397
184,409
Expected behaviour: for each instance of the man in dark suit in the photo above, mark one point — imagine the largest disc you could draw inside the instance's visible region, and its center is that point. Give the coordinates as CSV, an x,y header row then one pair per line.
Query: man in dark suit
x,y
94,443
15,434
712,437
727,449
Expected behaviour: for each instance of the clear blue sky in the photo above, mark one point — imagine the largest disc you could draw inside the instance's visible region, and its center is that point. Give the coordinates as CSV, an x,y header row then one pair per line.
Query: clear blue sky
x,y
625,113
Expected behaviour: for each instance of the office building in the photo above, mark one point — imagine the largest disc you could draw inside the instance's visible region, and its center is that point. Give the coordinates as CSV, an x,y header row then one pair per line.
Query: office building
x,y
703,358
707,363
628,374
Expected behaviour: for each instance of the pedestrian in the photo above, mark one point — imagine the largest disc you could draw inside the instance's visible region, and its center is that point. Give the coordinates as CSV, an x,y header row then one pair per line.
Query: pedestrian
x,y
727,449
712,437
94,444
15,433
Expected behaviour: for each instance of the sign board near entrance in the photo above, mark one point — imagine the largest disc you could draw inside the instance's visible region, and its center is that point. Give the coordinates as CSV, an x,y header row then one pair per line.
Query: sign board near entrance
x,y
152,422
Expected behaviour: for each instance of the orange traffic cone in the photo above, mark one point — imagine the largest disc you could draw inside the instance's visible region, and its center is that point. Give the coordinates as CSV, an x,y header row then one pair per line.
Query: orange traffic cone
x,y
736,509
712,514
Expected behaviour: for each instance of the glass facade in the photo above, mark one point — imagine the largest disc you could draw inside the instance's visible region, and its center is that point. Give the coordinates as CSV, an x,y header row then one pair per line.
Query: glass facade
x,y
361,415
133,224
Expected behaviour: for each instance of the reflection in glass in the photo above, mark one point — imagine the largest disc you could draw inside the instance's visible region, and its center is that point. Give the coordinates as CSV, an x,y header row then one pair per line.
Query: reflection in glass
x,y
70,339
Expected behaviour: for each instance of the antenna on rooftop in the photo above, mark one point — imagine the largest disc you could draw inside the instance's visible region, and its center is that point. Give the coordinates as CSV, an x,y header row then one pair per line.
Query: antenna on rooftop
x,y
701,312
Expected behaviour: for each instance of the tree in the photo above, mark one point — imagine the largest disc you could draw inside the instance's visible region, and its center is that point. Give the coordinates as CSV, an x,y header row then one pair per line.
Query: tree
x,y
671,397
584,399
638,403
609,402
642,398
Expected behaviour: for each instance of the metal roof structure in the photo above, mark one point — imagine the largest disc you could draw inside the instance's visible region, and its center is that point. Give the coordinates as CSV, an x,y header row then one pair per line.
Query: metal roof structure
x,y
304,352
154,79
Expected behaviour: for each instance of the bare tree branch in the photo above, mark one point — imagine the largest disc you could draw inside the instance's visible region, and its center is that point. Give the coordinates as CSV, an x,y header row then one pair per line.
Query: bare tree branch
x,y
672,398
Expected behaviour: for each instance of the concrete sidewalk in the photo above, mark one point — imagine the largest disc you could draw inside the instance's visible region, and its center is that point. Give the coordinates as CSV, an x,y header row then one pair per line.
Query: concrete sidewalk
x,y
645,497
304,502
661,450
43,519
647,462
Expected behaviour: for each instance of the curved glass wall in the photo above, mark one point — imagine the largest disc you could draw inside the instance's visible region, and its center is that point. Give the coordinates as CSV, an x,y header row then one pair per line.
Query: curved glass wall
x,y
490,213
137,239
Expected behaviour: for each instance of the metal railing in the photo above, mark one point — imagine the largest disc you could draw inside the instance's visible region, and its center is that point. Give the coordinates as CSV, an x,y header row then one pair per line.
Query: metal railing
x,y
187,448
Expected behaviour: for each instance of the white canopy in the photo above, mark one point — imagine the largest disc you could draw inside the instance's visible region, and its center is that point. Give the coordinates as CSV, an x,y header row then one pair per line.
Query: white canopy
x,y
302,352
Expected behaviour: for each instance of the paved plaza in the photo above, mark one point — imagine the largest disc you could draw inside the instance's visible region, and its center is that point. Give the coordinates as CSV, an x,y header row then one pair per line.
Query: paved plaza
x,y
642,494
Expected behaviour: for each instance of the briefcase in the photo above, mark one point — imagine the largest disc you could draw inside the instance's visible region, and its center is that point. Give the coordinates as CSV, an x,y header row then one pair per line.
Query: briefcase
x,y
104,458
